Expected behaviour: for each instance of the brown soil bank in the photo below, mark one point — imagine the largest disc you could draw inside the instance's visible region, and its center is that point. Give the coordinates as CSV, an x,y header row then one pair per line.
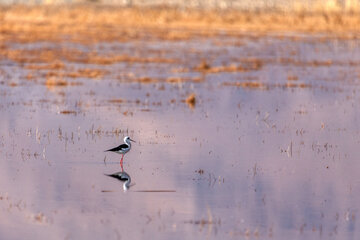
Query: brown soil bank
x,y
100,23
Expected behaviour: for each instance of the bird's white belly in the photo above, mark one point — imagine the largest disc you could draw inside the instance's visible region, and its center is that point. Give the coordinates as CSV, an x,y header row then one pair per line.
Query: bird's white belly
x,y
123,151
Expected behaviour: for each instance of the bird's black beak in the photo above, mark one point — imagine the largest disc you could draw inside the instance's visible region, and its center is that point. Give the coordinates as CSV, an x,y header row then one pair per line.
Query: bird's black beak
x,y
132,140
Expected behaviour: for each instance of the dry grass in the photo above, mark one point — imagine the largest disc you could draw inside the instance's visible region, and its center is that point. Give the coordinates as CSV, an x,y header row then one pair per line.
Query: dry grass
x,y
117,100
80,73
191,100
292,77
296,85
146,80
249,65
86,73
66,112
89,24
51,58
182,79
53,66
247,84
55,82
263,86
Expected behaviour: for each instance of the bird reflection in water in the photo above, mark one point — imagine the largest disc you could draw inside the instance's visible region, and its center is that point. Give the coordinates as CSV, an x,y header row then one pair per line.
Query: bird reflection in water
x,y
123,177
126,179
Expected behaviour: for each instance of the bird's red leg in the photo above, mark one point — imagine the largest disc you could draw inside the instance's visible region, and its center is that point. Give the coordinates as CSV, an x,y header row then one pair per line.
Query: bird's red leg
x,y
122,168
121,161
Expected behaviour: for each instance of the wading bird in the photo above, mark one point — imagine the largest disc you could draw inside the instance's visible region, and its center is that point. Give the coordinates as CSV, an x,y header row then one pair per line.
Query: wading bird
x,y
123,177
123,148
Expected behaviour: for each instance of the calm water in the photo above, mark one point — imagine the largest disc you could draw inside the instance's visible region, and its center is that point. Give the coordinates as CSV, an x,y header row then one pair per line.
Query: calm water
x,y
243,163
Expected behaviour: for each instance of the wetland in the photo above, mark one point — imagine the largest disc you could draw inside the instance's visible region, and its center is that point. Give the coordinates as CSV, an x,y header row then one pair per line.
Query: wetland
x,y
243,130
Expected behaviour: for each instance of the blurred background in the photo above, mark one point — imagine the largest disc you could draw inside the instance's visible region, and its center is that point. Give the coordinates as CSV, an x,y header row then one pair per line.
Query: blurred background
x,y
285,5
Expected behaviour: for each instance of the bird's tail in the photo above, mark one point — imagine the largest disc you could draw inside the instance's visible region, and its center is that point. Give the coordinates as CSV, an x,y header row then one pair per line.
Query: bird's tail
x,y
110,175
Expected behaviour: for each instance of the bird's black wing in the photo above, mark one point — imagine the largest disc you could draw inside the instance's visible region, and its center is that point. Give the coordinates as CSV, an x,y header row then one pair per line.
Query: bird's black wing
x,y
118,148
122,176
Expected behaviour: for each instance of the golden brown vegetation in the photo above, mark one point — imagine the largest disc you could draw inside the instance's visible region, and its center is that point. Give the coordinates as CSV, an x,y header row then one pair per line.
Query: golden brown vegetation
x,y
248,65
88,24
246,84
191,100
85,73
118,100
292,78
259,85
55,65
52,82
67,112
91,24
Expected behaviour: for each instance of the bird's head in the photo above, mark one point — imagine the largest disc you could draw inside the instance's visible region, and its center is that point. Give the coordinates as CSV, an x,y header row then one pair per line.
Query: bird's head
x,y
127,139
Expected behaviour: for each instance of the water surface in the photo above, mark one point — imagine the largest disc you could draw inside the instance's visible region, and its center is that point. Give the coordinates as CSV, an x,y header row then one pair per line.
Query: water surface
x,y
268,150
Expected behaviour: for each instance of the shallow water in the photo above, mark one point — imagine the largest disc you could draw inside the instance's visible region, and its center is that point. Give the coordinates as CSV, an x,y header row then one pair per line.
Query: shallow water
x,y
265,161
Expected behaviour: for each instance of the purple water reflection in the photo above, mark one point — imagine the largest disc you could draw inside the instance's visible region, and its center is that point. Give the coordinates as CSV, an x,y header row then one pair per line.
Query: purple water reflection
x,y
244,163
